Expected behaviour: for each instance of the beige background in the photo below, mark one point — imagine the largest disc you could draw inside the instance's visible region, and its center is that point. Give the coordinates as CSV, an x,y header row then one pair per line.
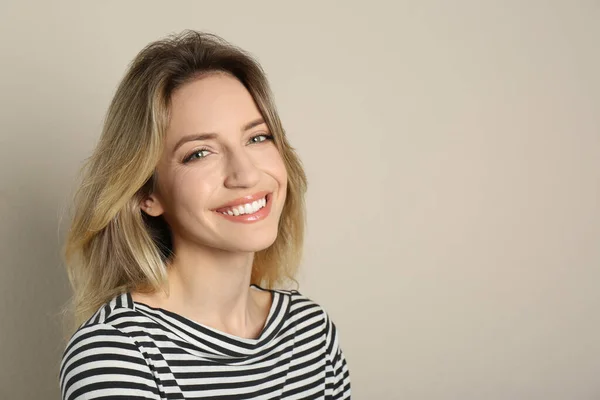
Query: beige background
x,y
453,154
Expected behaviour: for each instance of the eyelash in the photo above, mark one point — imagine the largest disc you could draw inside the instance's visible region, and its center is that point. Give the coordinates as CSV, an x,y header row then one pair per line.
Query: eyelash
x,y
189,157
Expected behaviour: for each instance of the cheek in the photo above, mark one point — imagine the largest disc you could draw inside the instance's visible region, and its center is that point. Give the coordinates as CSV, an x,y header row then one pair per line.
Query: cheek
x,y
275,166
283,175
192,189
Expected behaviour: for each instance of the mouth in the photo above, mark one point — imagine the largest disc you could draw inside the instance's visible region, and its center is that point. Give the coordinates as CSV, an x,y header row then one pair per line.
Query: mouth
x,y
247,209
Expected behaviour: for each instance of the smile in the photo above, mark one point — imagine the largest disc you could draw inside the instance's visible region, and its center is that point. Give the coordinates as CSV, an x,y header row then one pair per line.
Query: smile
x,y
247,209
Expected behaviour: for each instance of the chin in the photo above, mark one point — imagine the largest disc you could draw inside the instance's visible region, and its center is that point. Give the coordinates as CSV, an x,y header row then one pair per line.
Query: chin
x,y
256,244
249,243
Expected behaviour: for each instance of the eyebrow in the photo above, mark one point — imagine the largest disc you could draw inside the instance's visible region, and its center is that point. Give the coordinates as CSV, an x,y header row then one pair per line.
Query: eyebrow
x,y
207,136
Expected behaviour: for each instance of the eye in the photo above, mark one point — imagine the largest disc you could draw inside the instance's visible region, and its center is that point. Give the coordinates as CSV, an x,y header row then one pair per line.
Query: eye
x,y
260,138
192,156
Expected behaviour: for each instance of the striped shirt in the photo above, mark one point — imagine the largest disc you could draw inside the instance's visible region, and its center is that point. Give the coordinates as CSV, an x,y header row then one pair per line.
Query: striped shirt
x,y
129,350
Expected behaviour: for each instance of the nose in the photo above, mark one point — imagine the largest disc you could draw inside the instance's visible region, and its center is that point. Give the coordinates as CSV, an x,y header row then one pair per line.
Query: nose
x,y
241,170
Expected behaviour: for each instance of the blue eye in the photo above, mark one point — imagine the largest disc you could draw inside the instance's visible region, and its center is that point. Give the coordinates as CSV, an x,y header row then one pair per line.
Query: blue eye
x,y
191,156
261,138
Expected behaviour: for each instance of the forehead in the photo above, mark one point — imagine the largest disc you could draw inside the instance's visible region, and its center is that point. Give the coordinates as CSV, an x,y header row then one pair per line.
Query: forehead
x,y
215,102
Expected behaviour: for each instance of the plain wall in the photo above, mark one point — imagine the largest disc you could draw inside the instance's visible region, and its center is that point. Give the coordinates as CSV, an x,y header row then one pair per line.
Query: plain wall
x,y
453,156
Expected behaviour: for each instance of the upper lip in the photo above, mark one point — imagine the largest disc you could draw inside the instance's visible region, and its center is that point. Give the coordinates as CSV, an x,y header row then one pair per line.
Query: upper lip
x,y
244,200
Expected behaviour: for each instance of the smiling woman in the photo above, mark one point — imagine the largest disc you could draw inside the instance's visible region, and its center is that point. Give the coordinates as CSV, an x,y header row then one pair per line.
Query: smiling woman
x,y
189,214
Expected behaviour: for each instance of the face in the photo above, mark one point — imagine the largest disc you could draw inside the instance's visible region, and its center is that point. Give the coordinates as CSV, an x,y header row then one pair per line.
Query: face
x,y
221,180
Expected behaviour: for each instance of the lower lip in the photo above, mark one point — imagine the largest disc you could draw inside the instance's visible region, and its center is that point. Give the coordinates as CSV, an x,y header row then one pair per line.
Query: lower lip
x,y
250,218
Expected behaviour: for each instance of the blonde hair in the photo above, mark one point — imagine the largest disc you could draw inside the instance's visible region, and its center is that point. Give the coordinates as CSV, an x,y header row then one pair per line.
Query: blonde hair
x,y
112,246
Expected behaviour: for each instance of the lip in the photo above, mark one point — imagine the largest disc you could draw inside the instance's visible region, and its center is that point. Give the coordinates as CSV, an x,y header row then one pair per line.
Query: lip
x,y
242,200
249,218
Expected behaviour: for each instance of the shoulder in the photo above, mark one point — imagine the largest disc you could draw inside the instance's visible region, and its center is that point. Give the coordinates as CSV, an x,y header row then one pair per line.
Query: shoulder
x,y
119,305
310,314
99,356
301,303
104,325
311,311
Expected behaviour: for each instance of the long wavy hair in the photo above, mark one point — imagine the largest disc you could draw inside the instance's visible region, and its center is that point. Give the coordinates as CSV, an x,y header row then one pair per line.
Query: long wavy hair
x,y
112,245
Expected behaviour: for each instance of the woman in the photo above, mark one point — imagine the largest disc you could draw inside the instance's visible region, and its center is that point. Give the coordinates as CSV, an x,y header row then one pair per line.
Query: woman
x,y
190,211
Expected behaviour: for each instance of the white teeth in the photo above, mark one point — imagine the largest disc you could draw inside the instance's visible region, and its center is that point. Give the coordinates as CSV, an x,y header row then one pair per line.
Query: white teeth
x,y
249,208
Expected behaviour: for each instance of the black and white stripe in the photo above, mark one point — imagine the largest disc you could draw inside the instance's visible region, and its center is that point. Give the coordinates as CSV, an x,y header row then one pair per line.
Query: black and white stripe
x,y
129,350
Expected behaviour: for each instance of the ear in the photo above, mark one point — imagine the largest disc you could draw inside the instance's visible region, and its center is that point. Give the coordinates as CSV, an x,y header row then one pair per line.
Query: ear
x,y
152,205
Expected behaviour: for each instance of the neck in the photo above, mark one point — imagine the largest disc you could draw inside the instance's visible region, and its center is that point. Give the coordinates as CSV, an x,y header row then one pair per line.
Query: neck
x,y
212,287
